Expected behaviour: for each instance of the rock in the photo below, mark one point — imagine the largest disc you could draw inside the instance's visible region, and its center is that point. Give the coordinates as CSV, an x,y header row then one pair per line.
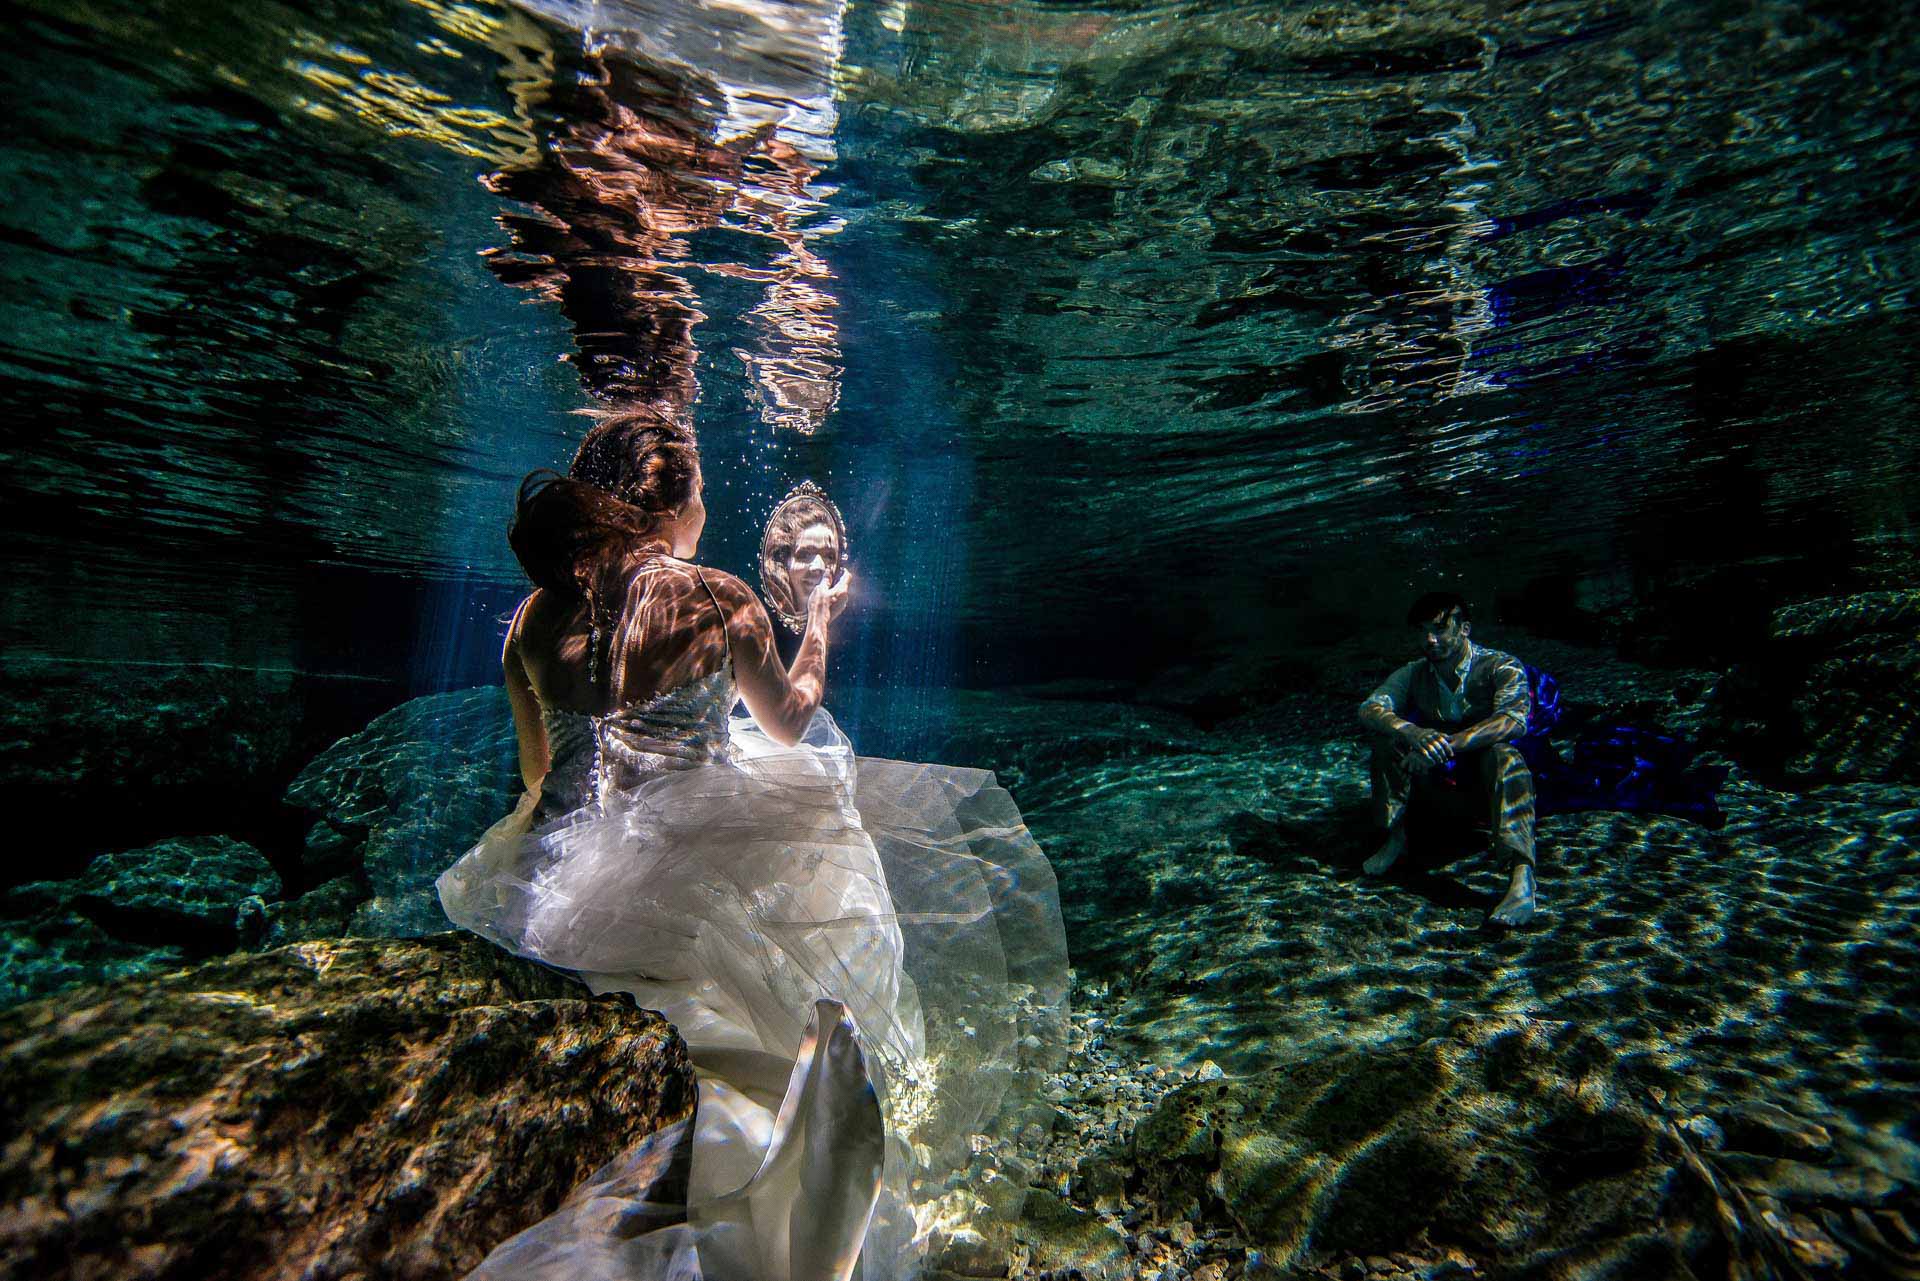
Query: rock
x,y
1801,1183
1705,1132
403,798
1835,696
324,912
186,892
1061,1238
328,1110
128,754
1844,617
112,726
1767,1130
131,913
57,950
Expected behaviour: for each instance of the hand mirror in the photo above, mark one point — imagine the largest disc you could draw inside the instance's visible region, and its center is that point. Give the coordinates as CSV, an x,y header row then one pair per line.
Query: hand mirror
x,y
804,546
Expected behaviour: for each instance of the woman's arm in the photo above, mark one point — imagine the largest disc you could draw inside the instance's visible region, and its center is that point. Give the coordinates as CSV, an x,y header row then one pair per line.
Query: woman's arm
x,y
528,728
782,700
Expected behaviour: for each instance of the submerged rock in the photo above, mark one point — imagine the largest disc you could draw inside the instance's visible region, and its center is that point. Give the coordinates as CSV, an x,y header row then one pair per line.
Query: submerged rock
x,y
356,1108
1507,1147
1834,696
133,912
1763,1128
126,754
57,950
188,892
324,912
1062,1239
404,797
105,728
1505,1142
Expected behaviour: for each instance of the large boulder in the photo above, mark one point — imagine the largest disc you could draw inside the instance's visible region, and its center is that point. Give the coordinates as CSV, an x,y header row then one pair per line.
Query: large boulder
x,y
53,950
324,912
106,728
1508,1140
328,1110
132,912
124,755
1833,696
196,892
397,802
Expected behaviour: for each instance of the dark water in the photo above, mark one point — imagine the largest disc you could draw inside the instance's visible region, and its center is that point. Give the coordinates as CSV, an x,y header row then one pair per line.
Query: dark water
x,y
1268,313
1156,354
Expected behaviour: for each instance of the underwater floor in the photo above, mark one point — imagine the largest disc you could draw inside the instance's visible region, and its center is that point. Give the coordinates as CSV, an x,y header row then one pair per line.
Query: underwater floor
x,y
1219,923
1701,1058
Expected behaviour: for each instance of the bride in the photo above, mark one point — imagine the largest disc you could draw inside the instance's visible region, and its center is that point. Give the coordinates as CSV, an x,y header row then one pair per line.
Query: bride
x,y
864,957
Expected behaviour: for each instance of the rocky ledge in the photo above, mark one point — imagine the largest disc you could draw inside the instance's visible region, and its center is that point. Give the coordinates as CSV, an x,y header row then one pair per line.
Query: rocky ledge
x,y
341,1109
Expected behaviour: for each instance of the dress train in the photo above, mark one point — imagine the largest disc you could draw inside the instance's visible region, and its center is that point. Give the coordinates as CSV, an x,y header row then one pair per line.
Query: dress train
x,y
864,957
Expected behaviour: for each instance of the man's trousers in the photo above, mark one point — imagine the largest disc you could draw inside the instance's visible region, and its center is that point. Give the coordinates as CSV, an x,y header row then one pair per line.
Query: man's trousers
x,y
1493,781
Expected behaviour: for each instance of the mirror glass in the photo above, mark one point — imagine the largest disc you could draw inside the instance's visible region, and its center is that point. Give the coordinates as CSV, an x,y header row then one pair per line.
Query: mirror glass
x,y
804,546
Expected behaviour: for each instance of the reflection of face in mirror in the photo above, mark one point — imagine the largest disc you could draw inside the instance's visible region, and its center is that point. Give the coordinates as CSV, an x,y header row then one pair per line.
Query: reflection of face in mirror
x,y
815,559
804,549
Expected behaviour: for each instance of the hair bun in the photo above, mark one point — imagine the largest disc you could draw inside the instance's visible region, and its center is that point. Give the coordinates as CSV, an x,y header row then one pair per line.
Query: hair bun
x,y
642,458
631,470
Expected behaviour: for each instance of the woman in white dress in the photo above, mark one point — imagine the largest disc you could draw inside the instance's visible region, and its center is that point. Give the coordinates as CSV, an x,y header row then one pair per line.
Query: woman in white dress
x,y
864,957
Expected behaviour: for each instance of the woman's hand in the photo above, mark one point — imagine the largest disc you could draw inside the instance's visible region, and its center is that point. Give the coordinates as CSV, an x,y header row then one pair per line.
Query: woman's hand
x,y
828,600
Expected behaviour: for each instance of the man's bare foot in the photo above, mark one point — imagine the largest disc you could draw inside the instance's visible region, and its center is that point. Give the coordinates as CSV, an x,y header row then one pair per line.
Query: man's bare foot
x,y
1388,855
1517,907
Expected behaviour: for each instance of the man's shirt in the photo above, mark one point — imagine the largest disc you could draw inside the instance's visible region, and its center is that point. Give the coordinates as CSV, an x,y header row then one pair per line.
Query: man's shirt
x,y
1489,683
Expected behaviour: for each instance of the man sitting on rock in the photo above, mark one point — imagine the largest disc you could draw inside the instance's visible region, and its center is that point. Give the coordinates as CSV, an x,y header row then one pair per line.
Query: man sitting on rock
x,y
1453,712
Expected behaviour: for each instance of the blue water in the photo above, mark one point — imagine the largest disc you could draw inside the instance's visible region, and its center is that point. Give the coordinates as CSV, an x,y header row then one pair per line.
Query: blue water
x,y
1156,354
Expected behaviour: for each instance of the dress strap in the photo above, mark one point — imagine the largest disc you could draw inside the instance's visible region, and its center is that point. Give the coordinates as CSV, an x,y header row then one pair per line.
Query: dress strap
x,y
726,637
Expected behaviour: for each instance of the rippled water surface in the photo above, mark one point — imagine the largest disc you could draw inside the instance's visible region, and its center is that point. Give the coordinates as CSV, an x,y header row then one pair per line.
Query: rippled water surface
x,y
1273,309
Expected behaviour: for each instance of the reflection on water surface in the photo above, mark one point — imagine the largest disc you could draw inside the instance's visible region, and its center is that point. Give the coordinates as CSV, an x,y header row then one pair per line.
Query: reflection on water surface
x,y
1389,295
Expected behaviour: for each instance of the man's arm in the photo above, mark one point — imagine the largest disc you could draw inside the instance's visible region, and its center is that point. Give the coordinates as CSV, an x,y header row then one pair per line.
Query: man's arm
x,y
1511,704
1380,714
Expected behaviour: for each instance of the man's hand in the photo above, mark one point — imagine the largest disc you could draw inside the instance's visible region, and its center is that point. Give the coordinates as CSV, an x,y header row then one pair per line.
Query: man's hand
x,y
1430,745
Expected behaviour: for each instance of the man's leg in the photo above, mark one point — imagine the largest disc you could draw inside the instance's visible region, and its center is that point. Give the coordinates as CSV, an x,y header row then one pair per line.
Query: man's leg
x,y
1507,784
1392,783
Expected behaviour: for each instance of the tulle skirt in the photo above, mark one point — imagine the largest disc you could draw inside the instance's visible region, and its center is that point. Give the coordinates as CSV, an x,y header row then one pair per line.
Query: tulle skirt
x,y
866,960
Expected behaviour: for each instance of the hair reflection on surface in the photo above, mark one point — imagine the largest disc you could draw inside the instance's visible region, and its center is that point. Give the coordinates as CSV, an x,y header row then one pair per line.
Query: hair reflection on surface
x,y
641,155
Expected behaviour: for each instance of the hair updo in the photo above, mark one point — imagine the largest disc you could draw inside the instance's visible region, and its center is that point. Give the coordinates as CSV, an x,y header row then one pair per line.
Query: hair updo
x,y
628,474
643,459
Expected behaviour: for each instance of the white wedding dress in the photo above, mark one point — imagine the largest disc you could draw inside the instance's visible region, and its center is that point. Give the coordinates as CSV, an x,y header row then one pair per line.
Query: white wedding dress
x,y
865,958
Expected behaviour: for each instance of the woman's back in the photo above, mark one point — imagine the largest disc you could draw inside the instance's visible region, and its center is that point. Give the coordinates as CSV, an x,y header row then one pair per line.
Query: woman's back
x,y
663,630
647,691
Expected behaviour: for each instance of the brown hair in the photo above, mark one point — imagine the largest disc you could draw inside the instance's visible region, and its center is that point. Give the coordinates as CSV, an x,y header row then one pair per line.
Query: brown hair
x,y
642,458
629,472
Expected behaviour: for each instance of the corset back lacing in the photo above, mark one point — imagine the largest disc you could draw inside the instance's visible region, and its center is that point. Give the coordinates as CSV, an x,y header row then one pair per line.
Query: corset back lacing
x,y
675,729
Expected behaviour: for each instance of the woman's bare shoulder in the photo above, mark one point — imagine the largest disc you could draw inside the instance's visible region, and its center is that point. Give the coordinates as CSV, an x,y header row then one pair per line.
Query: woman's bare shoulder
x,y
527,613
743,608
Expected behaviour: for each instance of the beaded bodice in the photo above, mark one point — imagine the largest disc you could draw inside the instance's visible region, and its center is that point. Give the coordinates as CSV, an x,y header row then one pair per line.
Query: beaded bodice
x,y
679,729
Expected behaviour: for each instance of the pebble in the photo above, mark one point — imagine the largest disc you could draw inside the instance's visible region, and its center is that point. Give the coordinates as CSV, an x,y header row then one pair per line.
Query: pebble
x,y
1101,1098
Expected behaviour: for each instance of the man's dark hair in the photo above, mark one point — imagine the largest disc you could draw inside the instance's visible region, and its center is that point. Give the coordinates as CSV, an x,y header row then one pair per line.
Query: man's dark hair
x,y
1437,605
